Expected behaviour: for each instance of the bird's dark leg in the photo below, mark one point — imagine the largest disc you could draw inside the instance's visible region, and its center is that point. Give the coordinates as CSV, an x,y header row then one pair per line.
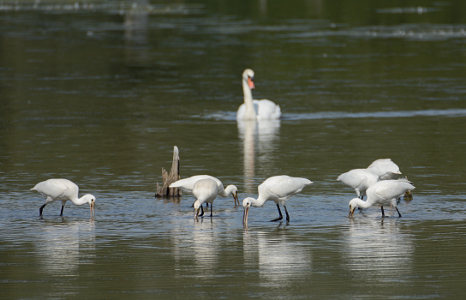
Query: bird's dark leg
x,y
202,212
211,209
61,212
41,209
287,215
280,215
399,215
383,213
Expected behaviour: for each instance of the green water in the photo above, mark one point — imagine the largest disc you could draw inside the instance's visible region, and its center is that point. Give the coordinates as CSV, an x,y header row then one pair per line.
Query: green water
x,y
100,92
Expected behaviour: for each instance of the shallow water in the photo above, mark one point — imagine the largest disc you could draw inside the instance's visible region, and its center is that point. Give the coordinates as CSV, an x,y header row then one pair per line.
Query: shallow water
x,y
100,93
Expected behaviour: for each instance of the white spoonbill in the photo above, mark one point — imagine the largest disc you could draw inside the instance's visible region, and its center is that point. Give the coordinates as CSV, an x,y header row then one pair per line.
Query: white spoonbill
x,y
255,109
384,168
359,179
187,185
62,189
382,193
277,188
205,190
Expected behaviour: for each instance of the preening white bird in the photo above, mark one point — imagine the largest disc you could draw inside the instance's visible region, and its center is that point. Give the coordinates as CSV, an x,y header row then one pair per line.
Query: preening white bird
x,y
382,193
187,185
359,179
205,190
63,190
277,188
255,109
385,169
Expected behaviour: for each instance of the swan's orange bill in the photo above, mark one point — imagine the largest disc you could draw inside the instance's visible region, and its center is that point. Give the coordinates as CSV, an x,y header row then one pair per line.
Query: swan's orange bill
x,y
250,83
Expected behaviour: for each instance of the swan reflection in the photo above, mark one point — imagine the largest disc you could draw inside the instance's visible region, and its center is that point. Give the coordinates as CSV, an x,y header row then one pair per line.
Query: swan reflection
x,y
278,258
378,249
61,247
259,137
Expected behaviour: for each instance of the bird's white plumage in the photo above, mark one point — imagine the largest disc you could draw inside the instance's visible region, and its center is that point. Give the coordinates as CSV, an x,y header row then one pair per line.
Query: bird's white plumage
x,y
187,185
62,190
281,188
388,189
359,179
57,189
382,193
278,189
205,190
253,109
384,168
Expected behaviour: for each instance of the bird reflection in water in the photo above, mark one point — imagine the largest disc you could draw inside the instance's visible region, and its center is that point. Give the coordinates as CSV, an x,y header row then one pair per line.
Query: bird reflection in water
x,y
279,259
197,245
61,247
259,137
378,249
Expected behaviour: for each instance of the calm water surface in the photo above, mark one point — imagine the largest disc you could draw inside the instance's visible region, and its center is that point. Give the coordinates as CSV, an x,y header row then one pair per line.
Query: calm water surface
x,y
100,92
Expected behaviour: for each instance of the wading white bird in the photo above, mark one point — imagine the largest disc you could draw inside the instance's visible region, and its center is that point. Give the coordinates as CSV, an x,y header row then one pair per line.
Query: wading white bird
x,y
385,192
187,185
255,109
385,169
63,190
359,179
205,190
276,188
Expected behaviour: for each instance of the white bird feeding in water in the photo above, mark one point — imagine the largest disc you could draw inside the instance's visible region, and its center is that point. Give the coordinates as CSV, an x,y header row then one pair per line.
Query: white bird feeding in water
x,y
384,168
385,192
63,190
276,188
205,190
187,185
359,179
255,109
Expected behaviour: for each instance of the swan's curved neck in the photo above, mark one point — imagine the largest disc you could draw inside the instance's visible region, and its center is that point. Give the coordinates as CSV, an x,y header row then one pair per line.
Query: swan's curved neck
x,y
250,112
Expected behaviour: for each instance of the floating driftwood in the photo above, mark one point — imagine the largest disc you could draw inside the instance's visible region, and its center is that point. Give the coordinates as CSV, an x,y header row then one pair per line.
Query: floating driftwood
x,y
168,178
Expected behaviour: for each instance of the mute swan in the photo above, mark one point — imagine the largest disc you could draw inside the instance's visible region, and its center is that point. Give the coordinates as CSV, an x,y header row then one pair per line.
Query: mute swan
x,y
255,109
276,188
382,193
62,189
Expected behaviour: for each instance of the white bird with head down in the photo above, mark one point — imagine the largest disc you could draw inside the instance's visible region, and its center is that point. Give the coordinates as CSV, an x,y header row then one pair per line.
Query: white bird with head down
x,y
187,185
62,189
359,179
382,193
205,190
385,169
255,109
276,188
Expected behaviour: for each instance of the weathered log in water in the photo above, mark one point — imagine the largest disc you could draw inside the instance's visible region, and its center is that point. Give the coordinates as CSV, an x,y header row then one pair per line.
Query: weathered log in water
x,y
167,178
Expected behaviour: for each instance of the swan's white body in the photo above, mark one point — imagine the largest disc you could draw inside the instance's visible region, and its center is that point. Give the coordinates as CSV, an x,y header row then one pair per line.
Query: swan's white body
x,y
359,179
205,190
384,168
382,193
278,189
255,109
187,186
62,189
